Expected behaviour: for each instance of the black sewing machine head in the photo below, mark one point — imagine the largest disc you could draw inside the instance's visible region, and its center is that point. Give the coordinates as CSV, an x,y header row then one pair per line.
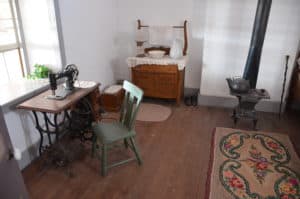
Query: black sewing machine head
x,y
70,72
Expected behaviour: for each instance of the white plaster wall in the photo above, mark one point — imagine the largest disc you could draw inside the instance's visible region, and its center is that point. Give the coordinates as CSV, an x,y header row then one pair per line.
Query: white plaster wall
x,y
88,29
157,12
42,44
99,35
23,134
228,29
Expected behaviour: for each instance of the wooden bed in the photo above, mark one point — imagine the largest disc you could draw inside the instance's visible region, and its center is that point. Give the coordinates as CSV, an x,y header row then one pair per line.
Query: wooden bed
x,y
161,81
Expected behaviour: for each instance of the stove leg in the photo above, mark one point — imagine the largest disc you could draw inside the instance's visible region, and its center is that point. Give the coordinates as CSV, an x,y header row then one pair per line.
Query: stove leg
x,y
255,124
234,117
235,120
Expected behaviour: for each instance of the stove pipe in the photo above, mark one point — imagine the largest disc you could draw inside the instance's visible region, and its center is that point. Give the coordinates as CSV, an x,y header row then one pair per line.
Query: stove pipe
x,y
257,41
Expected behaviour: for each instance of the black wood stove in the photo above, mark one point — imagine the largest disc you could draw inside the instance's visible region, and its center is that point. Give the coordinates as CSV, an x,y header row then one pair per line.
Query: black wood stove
x,y
244,88
247,98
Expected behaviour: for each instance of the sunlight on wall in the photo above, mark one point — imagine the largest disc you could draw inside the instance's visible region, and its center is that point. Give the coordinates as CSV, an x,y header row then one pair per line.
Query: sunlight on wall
x,y
228,30
40,31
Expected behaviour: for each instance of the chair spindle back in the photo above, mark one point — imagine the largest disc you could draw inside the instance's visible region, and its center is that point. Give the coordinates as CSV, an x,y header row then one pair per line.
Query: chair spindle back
x,y
132,99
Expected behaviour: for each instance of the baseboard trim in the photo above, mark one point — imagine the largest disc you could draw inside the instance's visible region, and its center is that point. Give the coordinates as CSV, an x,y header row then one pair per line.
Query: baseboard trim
x,y
227,102
28,155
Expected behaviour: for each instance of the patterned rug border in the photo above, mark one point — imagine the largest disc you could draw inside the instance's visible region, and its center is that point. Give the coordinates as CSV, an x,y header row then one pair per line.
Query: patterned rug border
x,y
210,166
212,154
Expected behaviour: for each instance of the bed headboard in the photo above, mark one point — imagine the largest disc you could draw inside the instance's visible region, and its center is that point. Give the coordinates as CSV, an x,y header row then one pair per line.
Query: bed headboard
x,y
184,29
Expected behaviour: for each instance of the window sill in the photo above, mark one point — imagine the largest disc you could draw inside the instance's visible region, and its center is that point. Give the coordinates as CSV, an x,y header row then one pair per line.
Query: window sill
x,y
16,91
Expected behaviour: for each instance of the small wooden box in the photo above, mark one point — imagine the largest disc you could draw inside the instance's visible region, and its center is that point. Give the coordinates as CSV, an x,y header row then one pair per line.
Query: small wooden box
x,y
112,101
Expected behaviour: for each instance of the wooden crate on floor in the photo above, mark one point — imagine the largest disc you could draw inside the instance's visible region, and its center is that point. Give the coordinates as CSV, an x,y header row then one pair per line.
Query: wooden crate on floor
x,y
112,98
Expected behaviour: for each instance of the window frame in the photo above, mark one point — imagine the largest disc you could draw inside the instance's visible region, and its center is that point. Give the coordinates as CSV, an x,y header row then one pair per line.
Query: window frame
x,y
19,36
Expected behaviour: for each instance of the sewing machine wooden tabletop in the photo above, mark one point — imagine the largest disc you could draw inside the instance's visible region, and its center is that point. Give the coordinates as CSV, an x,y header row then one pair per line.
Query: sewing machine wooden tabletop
x,y
42,104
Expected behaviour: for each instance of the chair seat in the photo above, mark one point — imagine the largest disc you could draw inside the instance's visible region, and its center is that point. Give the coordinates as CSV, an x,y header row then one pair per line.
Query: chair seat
x,y
111,132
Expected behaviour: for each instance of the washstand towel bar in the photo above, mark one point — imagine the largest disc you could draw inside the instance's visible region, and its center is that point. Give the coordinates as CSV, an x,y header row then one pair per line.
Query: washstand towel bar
x,y
184,27
146,26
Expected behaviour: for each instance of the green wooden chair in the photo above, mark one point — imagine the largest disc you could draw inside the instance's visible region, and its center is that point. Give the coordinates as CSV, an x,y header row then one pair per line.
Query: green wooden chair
x,y
106,135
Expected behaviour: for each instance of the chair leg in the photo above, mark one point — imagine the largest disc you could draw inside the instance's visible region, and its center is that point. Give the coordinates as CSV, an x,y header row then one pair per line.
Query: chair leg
x,y
136,151
103,160
94,145
126,143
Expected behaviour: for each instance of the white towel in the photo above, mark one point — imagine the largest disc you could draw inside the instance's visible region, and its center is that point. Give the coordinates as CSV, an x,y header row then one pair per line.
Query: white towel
x,y
113,89
161,35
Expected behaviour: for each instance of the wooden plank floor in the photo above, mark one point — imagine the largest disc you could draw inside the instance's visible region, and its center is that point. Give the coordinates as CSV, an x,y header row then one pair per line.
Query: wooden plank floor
x,y
175,155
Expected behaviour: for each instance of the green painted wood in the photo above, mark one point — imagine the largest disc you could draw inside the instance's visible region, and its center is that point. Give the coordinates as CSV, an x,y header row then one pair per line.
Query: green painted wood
x,y
131,104
136,151
121,162
109,133
103,160
94,140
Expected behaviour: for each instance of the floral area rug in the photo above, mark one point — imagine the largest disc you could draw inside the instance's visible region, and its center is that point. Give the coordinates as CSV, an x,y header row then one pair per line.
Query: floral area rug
x,y
252,165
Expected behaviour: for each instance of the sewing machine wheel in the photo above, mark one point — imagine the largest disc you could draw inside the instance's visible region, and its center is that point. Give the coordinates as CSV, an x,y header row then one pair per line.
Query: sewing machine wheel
x,y
74,69
81,120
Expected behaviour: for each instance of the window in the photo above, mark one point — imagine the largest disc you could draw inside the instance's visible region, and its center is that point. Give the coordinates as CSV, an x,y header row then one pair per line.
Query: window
x,y
12,64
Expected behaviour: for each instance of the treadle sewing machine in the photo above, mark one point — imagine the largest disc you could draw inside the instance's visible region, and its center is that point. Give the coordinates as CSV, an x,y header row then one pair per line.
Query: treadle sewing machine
x,y
70,72
55,116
